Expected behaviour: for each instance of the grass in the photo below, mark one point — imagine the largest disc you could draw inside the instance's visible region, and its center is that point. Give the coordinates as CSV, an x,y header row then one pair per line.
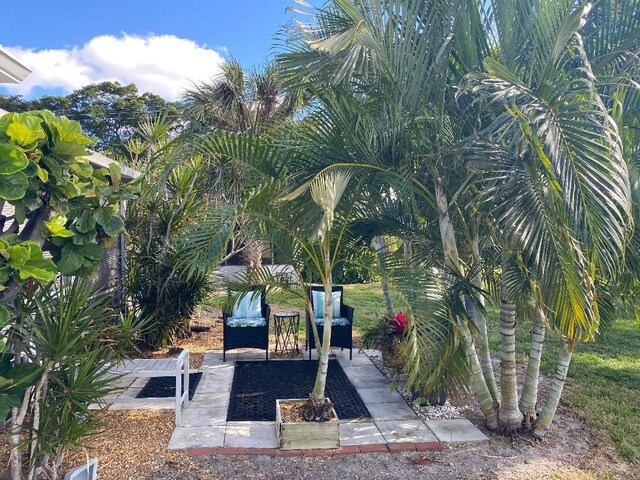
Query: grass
x,y
604,378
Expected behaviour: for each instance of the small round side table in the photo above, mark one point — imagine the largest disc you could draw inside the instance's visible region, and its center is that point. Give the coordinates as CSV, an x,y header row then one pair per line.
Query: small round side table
x,y
287,326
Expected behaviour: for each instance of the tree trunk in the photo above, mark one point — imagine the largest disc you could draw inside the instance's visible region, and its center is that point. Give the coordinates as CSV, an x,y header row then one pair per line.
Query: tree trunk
x,y
555,390
529,398
318,408
509,414
381,248
478,383
17,419
452,261
480,321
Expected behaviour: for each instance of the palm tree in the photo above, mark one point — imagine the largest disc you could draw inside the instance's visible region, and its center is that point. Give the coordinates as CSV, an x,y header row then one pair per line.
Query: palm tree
x,y
548,160
240,102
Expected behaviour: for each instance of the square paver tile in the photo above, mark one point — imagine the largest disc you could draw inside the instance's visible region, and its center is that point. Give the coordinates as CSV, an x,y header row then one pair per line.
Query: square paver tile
x,y
403,431
200,417
214,384
369,382
456,430
251,435
197,437
391,411
360,433
380,395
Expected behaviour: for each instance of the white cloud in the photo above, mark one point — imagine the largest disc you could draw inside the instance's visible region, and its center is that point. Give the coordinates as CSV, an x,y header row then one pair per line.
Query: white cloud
x,y
162,64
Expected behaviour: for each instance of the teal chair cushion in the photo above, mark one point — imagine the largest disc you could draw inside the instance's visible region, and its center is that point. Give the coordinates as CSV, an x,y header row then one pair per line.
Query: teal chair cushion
x,y
246,322
341,321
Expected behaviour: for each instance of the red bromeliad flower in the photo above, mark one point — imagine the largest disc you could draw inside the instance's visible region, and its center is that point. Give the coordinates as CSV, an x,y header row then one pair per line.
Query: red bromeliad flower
x,y
399,323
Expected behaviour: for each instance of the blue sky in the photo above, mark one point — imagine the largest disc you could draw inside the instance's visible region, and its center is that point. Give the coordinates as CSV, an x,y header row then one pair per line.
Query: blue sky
x,y
154,44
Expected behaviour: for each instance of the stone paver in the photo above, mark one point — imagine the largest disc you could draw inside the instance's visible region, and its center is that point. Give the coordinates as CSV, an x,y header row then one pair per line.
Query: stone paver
x,y
380,395
197,437
390,411
404,431
199,417
360,433
456,430
251,435
214,383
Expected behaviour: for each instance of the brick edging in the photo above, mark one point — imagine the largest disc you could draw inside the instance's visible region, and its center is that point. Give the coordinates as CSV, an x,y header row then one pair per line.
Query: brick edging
x,y
346,450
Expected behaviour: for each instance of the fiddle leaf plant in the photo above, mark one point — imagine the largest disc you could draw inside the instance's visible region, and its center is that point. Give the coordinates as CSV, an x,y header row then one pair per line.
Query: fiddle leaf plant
x,y
65,211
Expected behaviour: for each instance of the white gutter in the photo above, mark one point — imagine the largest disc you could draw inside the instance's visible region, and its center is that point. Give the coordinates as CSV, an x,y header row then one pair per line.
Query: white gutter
x,y
11,71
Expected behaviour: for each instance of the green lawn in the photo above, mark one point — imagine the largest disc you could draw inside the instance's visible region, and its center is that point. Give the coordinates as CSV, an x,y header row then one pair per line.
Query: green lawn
x,y
604,383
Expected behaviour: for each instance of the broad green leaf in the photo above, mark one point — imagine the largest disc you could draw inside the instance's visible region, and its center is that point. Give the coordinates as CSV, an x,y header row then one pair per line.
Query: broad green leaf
x,y
42,269
81,168
12,159
13,187
93,252
69,139
102,215
86,222
25,130
116,174
114,227
5,274
42,174
16,255
53,166
57,226
71,259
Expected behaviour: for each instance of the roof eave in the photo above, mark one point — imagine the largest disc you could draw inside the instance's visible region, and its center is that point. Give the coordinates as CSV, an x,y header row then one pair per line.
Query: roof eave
x,y
11,71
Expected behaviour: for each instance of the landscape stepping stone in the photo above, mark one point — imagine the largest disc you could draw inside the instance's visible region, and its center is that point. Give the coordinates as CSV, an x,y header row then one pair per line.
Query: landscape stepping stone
x,y
251,435
360,433
403,431
197,437
456,431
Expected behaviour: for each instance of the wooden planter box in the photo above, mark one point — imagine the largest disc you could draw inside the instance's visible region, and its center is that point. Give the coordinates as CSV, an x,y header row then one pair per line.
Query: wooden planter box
x,y
306,435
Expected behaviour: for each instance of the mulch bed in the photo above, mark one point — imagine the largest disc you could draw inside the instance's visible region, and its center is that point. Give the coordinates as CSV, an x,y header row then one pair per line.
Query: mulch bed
x,y
257,385
165,387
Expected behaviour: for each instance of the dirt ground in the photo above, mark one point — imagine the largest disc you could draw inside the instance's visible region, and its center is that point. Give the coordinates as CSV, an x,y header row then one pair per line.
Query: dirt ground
x,y
133,448
133,445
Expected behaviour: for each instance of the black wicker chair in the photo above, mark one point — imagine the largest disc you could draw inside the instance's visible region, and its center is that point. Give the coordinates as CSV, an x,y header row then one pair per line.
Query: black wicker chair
x,y
246,336
341,335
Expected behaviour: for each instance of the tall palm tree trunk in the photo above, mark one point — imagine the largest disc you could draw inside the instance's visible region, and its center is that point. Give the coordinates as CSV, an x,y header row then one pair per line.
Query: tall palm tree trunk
x,y
452,261
319,406
509,414
381,249
529,398
555,390
480,321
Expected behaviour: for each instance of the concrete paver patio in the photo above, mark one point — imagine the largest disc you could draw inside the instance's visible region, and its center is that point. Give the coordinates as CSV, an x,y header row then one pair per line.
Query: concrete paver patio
x,y
394,423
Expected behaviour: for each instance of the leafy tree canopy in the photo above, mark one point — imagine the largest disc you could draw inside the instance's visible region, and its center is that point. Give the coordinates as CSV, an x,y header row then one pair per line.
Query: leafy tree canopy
x,y
108,111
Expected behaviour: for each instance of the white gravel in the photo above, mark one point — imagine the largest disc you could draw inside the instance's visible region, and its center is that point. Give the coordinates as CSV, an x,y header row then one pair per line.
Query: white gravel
x,y
426,412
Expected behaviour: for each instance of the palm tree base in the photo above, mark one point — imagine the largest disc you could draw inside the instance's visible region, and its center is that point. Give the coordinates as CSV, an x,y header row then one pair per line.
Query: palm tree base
x,y
317,410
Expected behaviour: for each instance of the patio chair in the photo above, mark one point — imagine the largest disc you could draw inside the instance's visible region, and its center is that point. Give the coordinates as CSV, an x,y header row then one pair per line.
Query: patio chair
x,y
341,323
247,326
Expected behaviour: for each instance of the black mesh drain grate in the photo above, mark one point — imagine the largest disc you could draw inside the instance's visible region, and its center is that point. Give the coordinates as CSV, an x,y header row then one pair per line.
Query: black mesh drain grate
x,y
163,387
257,385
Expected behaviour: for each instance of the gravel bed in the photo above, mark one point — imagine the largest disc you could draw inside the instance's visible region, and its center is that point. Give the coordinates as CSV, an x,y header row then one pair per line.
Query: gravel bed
x,y
425,412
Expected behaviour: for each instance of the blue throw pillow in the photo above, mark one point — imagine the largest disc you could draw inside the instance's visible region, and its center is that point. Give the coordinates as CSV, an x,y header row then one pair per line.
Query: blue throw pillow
x,y
248,307
318,304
